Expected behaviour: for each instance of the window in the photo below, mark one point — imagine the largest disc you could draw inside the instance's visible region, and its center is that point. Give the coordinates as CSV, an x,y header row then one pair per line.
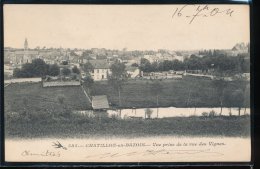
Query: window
x,y
97,70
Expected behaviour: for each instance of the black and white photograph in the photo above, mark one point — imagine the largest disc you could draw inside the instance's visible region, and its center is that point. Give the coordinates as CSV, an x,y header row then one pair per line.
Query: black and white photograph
x,y
127,83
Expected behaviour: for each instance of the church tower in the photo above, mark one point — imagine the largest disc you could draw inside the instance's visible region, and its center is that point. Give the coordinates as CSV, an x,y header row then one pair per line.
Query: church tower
x,y
25,44
25,56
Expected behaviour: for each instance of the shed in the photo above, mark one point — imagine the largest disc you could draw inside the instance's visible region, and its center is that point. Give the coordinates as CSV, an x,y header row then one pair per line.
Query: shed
x,y
100,102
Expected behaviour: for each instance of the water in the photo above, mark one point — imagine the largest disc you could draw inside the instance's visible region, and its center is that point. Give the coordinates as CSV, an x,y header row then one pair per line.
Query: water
x,y
176,112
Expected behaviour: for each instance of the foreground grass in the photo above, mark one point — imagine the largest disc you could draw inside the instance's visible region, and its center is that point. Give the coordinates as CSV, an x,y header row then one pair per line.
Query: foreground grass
x,y
46,125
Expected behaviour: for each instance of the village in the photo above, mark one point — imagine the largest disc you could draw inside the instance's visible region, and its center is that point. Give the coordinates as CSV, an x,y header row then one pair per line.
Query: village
x,y
123,76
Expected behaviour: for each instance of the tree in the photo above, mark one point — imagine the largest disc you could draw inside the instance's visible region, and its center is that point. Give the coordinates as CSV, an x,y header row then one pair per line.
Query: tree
x,y
54,70
87,67
25,112
17,73
148,113
66,71
134,65
145,65
117,78
238,99
89,82
156,88
220,86
75,70
64,108
64,62
117,85
118,70
39,67
246,97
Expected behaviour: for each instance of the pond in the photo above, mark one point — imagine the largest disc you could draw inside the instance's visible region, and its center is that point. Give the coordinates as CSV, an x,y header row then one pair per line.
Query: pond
x,y
176,112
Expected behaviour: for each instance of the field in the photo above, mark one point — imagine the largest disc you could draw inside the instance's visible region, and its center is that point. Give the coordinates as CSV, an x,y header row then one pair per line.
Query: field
x,y
199,92
34,111
76,126
34,98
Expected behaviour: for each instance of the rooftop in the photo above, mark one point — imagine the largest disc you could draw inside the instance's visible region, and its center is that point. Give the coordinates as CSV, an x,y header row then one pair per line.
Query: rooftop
x,y
30,52
99,64
100,102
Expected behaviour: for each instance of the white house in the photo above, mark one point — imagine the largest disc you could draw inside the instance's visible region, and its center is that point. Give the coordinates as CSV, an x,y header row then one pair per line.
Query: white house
x,y
101,70
132,71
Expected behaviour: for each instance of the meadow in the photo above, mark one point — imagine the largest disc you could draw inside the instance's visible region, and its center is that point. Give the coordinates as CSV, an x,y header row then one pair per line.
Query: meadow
x,y
34,111
186,92
32,97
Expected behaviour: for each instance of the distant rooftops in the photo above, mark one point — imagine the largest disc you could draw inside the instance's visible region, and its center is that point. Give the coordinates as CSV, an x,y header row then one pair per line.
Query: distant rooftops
x,y
100,102
29,52
99,64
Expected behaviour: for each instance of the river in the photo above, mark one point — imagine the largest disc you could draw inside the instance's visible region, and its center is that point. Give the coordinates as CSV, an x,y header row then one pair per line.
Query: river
x,y
177,112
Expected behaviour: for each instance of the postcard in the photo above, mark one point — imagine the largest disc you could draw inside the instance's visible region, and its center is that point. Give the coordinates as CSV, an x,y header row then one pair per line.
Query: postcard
x,y
127,83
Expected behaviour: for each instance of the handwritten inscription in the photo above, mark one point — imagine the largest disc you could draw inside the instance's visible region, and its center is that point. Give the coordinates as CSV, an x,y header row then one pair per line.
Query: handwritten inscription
x,y
200,11
157,152
154,148
46,153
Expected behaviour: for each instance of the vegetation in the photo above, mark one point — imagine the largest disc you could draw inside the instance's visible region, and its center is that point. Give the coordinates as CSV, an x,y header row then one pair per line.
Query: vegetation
x,y
46,99
187,92
117,78
36,125
75,70
148,113
220,63
65,71
38,68
87,67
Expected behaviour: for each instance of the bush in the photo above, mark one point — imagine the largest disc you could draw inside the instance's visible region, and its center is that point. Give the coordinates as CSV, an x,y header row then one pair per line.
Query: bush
x,y
212,113
75,70
66,71
205,114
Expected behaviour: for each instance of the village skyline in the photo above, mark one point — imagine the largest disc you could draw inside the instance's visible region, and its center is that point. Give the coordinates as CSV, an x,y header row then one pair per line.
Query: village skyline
x,y
37,47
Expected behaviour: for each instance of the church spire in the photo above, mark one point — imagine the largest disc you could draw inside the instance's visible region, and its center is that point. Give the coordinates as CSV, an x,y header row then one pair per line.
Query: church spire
x,y
25,44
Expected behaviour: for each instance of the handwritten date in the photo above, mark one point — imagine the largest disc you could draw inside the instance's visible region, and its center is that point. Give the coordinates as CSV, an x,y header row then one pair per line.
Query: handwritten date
x,y
200,11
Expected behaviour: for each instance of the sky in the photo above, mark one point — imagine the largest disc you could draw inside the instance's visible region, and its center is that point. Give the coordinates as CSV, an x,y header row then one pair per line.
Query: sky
x,y
135,27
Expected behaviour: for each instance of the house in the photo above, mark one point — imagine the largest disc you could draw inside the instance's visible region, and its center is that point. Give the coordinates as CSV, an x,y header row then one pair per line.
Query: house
x,y
101,70
132,72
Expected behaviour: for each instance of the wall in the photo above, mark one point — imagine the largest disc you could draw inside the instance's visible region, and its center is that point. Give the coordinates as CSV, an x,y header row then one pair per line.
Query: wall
x,y
20,80
57,83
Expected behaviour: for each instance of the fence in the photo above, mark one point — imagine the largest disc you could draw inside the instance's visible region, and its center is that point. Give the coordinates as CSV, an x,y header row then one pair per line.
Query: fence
x,y
21,80
58,83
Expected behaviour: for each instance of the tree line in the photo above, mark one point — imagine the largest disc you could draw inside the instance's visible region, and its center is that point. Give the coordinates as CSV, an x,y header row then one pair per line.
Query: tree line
x,y
220,63
38,68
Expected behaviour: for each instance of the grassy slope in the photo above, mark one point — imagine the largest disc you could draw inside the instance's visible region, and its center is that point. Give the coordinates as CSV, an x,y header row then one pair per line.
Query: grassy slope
x,y
174,93
79,126
40,98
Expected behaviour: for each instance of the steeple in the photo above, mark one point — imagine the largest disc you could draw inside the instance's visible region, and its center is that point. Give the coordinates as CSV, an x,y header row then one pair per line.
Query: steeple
x,y
25,44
